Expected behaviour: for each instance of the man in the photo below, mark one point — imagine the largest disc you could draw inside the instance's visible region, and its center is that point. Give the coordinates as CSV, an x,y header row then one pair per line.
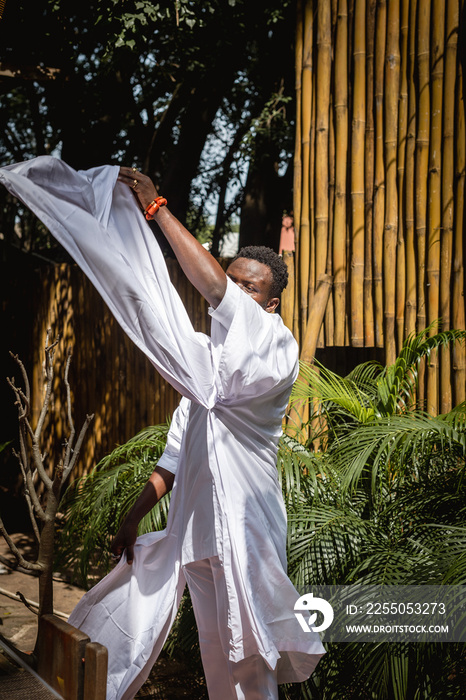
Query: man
x,y
226,528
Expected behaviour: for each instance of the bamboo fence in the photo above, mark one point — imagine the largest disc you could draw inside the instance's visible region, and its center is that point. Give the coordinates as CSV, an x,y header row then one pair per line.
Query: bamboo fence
x,y
379,181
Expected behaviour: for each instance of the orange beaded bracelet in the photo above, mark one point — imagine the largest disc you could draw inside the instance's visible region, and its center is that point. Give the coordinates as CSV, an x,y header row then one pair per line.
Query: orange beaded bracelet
x,y
154,206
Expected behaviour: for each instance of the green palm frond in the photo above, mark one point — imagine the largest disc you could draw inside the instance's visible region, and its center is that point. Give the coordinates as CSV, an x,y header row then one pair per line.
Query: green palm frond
x,y
303,474
456,574
370,390
317,382
366,376
457,418
450,551
381,671
395,564
398,381
324,543
401,440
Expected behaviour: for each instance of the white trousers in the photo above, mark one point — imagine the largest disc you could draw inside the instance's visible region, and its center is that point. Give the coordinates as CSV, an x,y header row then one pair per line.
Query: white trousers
x,y
249,679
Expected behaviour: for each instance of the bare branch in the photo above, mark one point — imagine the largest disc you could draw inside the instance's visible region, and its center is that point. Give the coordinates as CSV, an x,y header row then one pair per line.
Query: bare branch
x,y
49,355
51,348
18,402
70,441
22,456
27,427
79,443
24,376
28,491
26,603
38,463
32,566
23,402
29,484
30,603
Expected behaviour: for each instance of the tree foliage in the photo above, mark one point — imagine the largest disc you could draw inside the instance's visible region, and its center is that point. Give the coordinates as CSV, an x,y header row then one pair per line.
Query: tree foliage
x,y
195,94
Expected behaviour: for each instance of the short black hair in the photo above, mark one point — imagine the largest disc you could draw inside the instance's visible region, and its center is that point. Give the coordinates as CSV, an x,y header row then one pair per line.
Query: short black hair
x,y
268,257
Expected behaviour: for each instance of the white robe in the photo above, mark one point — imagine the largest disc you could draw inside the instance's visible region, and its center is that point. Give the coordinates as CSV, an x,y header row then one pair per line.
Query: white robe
x,y
226,499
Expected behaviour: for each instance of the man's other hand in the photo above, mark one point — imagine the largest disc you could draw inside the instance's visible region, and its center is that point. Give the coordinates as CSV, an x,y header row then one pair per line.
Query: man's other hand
x,y
124,540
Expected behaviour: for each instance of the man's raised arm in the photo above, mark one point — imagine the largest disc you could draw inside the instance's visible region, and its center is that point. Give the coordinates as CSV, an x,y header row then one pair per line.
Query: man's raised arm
x,y
199,266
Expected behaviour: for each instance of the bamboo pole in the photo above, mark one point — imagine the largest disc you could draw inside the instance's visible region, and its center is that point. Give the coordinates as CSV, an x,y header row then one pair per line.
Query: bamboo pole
x,y
421,167
357,175
369,337
410,257
422,151
312,262
448,167
321,297
341,154
304,247
323,77
297,162
304,242
401,173
297,188
391,89
379,172
434,193
458,310
327,334
287,300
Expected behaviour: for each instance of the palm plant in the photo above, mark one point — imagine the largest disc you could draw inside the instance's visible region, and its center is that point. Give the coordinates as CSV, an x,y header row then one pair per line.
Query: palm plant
x,y
382,502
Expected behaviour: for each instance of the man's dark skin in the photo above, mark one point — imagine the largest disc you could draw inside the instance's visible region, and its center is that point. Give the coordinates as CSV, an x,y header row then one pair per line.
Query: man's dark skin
x,y
205,273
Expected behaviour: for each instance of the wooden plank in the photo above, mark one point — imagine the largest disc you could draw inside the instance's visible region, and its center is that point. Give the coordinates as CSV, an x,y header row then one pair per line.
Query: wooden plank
x,y
60,653
95,672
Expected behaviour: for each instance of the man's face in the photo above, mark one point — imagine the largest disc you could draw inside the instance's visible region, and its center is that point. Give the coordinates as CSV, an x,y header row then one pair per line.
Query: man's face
x,y
255,279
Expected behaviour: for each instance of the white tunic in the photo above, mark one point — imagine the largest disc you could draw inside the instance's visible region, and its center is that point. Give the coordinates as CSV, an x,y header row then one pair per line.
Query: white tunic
x,y
226,499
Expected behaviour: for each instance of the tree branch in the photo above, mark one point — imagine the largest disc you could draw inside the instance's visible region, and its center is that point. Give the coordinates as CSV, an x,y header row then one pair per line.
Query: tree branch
x,y
23,402
24,376
26,603
77,449
32,566
28,491
49,355
70,440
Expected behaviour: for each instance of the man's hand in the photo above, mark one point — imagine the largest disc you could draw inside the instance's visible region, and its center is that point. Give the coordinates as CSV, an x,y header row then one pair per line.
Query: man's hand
x,y
199,266
125,539
142,186
160,483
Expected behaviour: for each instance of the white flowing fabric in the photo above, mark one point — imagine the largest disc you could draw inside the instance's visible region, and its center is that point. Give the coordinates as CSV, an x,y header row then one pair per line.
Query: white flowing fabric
x,y
226,499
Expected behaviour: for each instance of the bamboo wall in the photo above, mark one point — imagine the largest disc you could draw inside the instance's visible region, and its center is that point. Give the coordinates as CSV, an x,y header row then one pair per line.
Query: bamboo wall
x,y
379,178
109,376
